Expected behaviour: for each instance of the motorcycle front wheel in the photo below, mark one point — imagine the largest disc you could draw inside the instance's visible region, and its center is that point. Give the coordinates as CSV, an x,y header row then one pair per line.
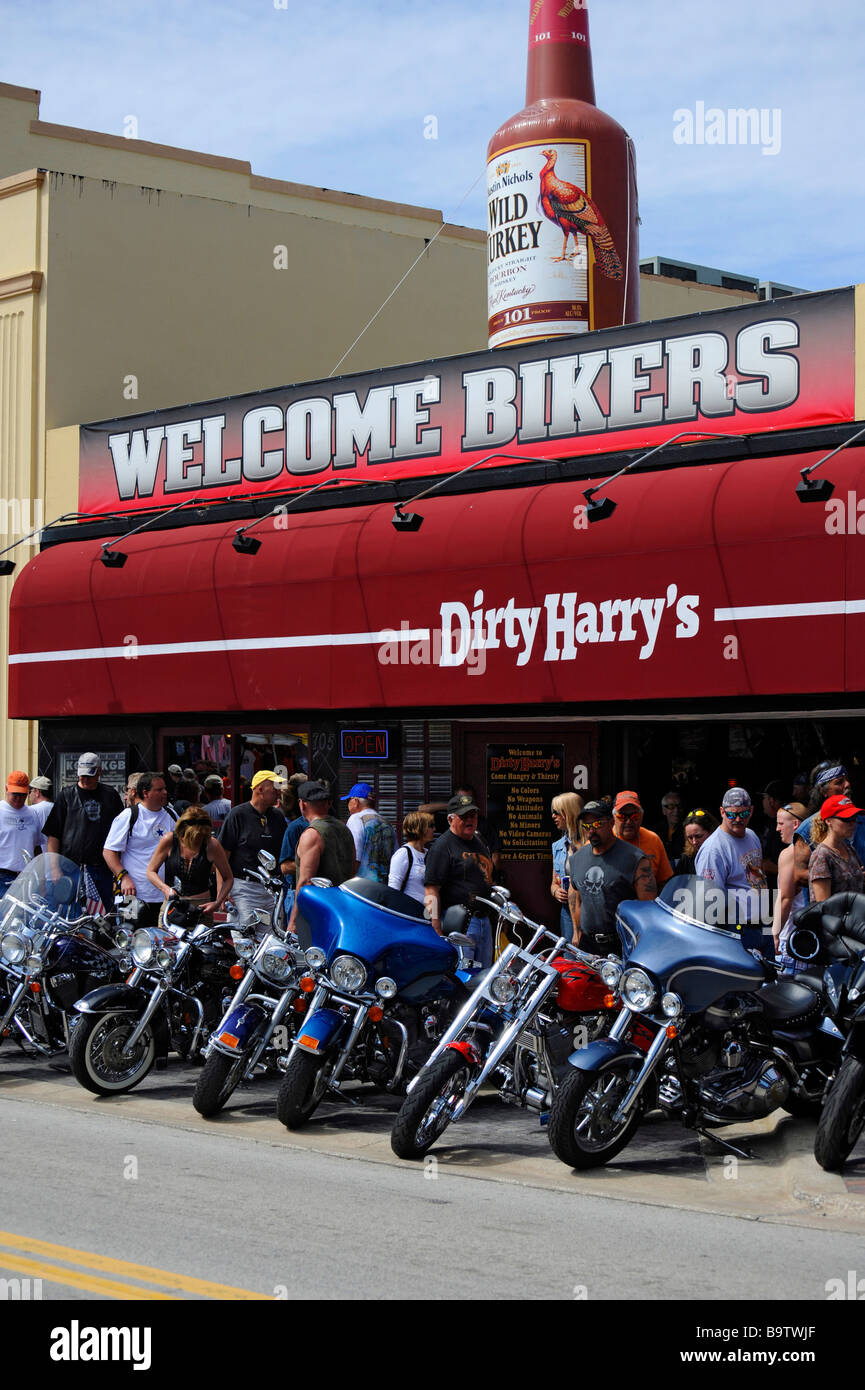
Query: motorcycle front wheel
x,y
303,1085
427,1110
582,1131
842,1118
96,1053
219,1077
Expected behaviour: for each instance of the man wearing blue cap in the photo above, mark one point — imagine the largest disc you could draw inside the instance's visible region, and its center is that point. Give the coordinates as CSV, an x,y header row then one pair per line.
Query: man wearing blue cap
x,y
360,811
374,839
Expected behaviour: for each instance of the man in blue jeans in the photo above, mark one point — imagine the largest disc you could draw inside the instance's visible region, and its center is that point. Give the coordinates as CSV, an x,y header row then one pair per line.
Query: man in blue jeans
x,y
459,868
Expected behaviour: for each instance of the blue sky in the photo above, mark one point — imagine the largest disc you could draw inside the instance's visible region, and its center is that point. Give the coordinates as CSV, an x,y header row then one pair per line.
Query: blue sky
x,y
338,95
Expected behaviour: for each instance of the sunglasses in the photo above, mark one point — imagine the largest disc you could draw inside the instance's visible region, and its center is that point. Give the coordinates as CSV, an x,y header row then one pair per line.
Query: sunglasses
x,y
628,815
698,815
738,815
593,824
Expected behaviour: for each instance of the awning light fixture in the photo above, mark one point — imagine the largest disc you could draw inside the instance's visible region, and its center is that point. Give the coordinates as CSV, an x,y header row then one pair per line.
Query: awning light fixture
x,y
8,566
116,559
413,521
821,489
600,509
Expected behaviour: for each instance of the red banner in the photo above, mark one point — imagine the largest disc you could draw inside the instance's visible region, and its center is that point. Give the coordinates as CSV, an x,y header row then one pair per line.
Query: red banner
x,y
777,365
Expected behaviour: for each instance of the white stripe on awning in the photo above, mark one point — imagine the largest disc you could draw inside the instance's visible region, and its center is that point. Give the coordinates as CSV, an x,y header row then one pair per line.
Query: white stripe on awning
x,y
835,608
132,651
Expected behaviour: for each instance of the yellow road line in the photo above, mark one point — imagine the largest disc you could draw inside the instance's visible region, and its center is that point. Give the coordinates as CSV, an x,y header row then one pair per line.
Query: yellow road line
x,y
56,1274
205,1288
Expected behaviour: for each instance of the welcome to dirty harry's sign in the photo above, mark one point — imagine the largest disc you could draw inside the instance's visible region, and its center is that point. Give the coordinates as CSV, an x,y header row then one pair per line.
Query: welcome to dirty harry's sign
x,y
779,364
521,780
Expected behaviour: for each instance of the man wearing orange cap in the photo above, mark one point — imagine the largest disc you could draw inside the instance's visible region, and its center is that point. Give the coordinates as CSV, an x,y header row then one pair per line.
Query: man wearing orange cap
x,y
19,829
628,826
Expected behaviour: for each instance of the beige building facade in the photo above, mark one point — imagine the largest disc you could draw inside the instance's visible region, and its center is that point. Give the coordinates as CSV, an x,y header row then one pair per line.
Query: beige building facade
x,y
135,277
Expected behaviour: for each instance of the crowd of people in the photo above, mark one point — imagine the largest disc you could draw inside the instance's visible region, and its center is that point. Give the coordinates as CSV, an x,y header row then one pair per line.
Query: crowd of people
x,y
178,835
812,845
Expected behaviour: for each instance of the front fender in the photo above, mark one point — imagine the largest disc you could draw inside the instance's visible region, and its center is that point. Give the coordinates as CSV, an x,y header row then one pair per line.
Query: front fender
x,y
322,1031
238,1029
603,1053
114,999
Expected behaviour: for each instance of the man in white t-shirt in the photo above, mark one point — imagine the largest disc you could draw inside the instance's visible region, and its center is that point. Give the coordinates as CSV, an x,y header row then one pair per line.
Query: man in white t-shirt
x,y
19,829
216,803
41,802
133,837
360,811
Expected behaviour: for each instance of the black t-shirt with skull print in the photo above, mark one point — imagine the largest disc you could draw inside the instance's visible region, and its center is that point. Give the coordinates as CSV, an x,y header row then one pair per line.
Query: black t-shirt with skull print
x,y
603,881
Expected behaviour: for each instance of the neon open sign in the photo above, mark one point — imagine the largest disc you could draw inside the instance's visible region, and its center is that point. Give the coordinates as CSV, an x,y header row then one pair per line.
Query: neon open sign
x,y
357,745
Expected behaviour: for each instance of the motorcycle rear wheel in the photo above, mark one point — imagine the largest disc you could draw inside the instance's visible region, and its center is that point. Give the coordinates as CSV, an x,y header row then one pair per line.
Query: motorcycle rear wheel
x,y
96,1053
427,1111
581,1129
303,1086
216,1084
843,1117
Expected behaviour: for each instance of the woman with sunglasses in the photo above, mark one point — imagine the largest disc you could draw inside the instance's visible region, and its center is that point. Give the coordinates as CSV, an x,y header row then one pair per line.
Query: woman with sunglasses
x,y
191,855
834,866
698,826
566,809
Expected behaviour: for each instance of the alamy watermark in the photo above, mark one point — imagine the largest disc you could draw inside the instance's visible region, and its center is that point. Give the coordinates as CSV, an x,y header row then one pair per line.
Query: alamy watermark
x,y
21,515
433,647
731,126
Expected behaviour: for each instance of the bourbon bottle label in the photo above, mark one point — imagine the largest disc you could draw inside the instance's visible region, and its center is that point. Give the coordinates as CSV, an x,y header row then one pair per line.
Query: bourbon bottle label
x,y
558,21
544,233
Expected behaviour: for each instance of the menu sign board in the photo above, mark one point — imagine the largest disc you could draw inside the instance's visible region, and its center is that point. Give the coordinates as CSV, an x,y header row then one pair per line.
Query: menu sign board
x,y
521,781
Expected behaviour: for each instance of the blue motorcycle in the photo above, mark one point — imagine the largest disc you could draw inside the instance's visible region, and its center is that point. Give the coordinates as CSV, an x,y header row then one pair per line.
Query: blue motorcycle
x,y
384,987
730,1042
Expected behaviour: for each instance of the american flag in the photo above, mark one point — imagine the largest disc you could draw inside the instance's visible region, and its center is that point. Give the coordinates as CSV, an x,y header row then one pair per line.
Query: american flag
x,y
93,902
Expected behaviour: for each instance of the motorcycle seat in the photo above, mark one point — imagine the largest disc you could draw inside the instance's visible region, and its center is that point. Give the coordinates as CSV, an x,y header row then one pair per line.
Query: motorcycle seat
x,y
788,999
390,899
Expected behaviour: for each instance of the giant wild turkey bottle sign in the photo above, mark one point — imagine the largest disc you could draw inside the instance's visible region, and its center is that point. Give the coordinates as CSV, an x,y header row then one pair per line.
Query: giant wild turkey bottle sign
x,y
561,196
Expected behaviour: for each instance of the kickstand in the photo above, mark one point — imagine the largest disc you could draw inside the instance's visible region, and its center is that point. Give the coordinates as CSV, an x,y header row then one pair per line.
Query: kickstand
x,y
725,1144
349,1100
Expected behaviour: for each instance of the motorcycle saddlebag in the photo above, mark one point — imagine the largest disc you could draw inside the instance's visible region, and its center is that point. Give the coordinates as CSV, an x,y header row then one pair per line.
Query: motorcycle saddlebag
x,y
580,989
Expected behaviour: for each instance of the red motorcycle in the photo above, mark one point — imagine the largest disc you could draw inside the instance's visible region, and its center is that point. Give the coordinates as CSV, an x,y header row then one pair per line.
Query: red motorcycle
x,y
537,1005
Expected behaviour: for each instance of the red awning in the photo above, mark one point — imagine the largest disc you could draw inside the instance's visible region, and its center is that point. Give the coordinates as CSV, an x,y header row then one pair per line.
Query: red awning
x,y
707,581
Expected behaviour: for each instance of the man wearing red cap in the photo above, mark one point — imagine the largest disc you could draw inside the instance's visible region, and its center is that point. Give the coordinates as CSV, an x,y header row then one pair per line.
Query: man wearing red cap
x,y
19,829
628,826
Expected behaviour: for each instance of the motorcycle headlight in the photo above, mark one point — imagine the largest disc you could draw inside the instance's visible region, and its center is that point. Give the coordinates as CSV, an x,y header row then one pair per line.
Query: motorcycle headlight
x,y
34,965
315,958
143,946
14,947
637,990
672,1005
123,939
165,957
504,988
347,972
244,949
611,973
275,960
386,987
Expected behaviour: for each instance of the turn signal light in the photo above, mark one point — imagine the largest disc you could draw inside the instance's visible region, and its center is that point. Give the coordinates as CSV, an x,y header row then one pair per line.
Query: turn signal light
x,y
237,972
300,1004
671,1030
609,1001
307,984
35,987
376,1014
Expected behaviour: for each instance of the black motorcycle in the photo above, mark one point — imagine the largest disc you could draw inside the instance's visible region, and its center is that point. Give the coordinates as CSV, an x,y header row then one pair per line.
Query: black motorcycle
x,y
832,933
174,998
730,1042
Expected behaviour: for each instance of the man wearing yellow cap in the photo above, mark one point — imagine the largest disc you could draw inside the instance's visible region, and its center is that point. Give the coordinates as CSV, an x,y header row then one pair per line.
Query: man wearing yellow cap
x,y
252,826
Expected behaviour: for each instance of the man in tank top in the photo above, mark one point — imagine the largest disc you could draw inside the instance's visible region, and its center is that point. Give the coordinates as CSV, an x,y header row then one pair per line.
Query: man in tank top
x,y
326,848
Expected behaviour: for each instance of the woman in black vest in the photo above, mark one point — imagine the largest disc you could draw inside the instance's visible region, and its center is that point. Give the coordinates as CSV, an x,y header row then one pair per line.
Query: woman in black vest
x,y
189,857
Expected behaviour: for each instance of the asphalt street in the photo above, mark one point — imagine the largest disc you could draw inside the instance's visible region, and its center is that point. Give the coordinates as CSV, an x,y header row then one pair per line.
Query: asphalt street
x,y
137,1197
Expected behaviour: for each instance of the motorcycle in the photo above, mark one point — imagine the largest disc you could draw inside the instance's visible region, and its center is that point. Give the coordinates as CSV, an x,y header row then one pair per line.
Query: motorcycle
x,y
176,994
265,1004
51,953
526,1016
730,1042
832,934
384,986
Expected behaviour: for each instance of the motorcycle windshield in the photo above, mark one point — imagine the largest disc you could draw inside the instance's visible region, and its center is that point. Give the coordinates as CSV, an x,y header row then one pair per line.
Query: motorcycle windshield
x,y
48,881
679,940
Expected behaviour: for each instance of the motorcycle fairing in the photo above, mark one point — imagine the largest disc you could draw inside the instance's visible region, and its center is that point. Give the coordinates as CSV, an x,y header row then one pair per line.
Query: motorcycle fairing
x,y
700,963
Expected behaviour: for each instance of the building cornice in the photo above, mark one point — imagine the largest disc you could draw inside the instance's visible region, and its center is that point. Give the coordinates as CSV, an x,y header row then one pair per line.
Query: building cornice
x,y
29,283
21,183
